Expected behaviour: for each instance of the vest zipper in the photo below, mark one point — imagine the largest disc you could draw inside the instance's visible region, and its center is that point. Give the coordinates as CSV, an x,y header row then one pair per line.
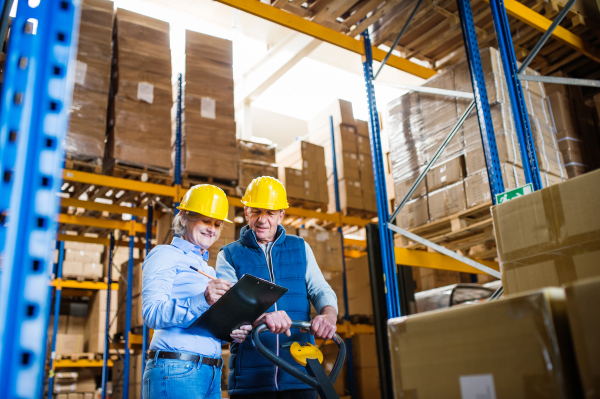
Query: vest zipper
x,y
272,276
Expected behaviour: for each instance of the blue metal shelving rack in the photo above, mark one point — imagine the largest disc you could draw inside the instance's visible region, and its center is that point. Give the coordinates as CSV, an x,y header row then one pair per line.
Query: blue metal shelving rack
x,y
36,98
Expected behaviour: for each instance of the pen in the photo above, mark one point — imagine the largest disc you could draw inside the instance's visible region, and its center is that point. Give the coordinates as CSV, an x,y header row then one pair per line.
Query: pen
x,y
207,275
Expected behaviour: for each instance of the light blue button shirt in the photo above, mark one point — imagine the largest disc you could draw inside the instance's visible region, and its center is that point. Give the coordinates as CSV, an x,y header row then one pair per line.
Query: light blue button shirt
x,y
173,297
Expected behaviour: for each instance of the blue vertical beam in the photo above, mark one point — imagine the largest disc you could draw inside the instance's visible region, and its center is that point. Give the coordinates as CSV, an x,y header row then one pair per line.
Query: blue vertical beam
x,y
105,356
130,279
34,115
338,208
515,92
484,115
178,126
387,248
59,266
149,221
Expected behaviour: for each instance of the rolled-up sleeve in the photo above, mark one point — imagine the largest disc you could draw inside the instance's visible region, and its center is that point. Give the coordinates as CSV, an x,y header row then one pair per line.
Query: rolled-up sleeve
x,y
319,291
158,308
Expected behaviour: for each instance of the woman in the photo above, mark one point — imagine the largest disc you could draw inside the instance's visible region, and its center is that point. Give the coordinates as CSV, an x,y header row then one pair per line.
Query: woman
x,y
182,364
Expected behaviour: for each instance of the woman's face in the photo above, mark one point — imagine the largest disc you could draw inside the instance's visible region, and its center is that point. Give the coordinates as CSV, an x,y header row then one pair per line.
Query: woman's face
x,y
202,230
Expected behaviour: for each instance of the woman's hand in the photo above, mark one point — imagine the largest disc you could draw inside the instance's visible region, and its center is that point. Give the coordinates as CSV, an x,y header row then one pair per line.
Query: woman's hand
x,y
215,290
278,322
241,333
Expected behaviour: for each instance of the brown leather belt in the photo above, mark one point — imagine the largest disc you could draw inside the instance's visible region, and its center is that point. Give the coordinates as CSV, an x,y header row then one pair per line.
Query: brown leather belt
x,y
187,357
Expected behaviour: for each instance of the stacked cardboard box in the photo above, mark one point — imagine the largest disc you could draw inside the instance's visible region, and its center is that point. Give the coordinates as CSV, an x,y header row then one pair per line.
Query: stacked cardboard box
x,y
95,323
326,246
83,260
135,377
352,153
358,282
464,351
69,335
209,145
74,395
136,297
584,319
550,237
336,282
87,129
366,367
302,171
427,279
140,109
76,384
576,129
256,159
419,122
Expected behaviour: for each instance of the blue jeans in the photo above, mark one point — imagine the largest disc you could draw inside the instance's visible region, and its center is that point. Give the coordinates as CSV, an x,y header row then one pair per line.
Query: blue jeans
x,y
177,379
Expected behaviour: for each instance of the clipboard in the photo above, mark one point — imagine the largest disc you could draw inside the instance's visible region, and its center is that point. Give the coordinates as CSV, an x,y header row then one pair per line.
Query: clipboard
x,y
249,298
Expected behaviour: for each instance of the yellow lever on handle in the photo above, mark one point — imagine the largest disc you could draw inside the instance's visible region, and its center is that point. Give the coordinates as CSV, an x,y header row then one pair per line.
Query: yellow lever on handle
x,y
301,353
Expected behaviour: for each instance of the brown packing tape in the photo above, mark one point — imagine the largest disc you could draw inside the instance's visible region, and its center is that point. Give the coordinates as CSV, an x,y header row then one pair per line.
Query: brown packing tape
x,y
561,259
555,221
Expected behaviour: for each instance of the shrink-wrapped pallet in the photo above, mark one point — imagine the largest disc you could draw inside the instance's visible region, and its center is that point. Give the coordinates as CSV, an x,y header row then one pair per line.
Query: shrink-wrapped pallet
x,y
87,129
209,147
140,112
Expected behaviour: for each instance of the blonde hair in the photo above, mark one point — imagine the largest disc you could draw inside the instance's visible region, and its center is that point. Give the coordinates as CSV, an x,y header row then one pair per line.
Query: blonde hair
x,y
180,224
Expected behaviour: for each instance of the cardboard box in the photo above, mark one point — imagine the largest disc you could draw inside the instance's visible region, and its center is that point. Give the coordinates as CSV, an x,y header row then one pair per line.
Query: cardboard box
x,y
477,189
445,174
140,108
413,214
249,170
584,320
252,151
358,282
550,237
87,128
563,112
135,377
95,324
326,246
330,353
447,201
69,343
403,186
464,351
366,368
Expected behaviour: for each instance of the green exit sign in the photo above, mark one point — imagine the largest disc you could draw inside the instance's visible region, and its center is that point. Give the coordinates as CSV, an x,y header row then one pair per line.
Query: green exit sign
x,y
515,193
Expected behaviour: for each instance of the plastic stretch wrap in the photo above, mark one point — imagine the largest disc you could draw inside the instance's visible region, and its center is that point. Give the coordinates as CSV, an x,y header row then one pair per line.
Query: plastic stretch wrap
x,y
208,132
87,130
419,122
139,113
473,344
257,152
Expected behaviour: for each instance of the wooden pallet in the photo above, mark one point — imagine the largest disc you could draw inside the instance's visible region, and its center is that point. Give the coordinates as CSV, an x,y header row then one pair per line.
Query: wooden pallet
x,y
83,163
306,204
111,164
190,179
83,278
76,356
360,213
469,231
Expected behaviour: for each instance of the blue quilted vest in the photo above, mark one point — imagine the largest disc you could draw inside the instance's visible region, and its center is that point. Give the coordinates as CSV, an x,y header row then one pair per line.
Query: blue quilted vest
x,y
250,371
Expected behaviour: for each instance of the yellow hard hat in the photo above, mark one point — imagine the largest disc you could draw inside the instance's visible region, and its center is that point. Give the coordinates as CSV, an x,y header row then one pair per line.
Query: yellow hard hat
x,y
265,192
207,200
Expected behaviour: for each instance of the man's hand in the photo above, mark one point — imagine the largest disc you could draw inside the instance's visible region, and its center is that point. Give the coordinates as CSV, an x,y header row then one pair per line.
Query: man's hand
x,y
241,333
278,322
215,290
324,325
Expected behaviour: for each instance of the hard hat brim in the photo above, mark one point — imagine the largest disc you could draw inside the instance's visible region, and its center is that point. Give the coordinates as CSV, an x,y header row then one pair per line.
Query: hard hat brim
x,y
262,206
201,213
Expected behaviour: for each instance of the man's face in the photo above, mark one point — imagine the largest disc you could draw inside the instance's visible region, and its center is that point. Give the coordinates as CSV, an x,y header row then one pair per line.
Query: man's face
x,y
264,222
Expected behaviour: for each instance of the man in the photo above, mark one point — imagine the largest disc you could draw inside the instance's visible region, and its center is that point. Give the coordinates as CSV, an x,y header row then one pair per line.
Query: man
x,y
265,251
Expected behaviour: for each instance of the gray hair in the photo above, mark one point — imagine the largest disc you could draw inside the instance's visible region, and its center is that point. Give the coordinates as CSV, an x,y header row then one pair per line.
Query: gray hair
x,y
180,223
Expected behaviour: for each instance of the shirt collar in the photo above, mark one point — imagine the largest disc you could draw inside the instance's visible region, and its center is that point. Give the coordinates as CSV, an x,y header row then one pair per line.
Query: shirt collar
x,y
187,246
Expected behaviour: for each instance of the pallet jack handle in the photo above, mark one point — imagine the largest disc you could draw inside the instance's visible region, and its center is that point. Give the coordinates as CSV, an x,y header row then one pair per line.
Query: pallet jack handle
x,y
293,371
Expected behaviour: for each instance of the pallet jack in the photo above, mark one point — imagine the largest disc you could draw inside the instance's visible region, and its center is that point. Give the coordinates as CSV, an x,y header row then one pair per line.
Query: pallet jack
x,y
309,356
